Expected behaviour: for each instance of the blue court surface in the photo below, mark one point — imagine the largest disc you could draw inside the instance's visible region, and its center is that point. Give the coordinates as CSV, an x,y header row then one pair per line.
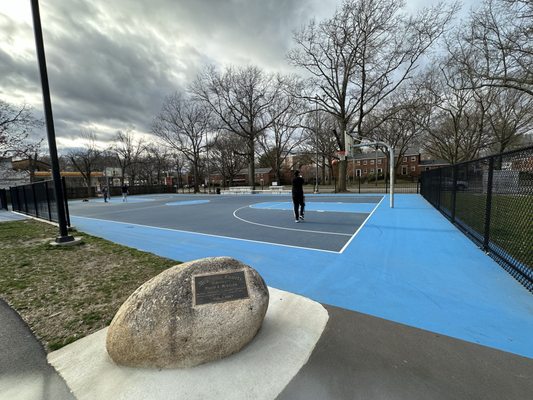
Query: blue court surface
x,y
408,264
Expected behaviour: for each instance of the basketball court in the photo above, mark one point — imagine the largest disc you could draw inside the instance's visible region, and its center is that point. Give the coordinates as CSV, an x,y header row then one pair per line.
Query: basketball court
x,y
331,221
408,264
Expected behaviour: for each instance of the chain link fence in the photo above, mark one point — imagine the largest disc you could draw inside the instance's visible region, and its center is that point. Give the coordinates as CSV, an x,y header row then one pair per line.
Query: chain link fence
x,y
3,199
491,200
38,200
76,192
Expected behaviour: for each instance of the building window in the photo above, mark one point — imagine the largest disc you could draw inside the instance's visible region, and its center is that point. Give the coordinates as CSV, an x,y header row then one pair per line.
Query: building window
x,y
380,171
372,171
405,159
364,171
413,168
364,162
404,169
371,162
379,161
413,158
357,172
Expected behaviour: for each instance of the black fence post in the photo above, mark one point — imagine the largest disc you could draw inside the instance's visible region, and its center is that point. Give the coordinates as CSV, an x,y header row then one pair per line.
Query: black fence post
x,y
35,200
65,199
439,189
486,236
359,182
26,210
3,199
13,199
454,191
48,201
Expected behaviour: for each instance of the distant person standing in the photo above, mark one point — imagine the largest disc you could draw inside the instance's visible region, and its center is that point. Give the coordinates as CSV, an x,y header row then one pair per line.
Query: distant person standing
x,y
298,196
105,192
125,193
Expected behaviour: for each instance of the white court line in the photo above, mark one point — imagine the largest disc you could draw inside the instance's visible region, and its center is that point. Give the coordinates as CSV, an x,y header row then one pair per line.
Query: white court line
x,y
360,227
287,229
125,210
211,235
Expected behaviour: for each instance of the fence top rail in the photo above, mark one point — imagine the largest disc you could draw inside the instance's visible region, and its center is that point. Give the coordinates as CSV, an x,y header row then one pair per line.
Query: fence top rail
x,y
31,184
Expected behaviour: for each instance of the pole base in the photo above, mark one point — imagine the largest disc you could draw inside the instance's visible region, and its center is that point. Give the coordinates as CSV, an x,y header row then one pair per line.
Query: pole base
x,y
66,241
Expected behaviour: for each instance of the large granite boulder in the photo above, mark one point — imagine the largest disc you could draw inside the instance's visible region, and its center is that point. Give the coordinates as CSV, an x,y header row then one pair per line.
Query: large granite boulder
x,y
192,313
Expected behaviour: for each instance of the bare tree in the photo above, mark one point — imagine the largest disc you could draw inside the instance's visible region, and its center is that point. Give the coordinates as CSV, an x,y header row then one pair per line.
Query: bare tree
x,y
497,45
127,150
178,164
319,139
362,55
240,98
398,122
155,161
510,117
286,133
455,116
16,124
183,125
86,159
225,157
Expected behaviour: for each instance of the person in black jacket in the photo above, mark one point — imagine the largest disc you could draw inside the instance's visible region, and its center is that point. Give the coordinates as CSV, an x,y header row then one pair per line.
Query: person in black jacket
x,y
125,193
298,196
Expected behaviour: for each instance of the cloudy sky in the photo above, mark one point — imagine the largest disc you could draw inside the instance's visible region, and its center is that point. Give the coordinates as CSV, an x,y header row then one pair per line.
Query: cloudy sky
x,y
111,63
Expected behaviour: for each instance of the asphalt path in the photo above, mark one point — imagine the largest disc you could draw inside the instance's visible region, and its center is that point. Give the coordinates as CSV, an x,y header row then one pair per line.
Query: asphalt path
x,y
24,372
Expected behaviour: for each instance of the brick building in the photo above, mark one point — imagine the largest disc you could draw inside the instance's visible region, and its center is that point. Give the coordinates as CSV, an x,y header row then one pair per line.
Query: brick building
x,y
413,163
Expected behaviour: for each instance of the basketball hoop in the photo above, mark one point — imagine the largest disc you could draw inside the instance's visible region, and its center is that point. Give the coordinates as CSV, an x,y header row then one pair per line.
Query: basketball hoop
x,y
341,155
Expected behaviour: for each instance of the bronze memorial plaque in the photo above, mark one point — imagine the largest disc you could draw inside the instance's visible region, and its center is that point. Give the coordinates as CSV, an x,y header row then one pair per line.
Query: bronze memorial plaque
x,y
218,288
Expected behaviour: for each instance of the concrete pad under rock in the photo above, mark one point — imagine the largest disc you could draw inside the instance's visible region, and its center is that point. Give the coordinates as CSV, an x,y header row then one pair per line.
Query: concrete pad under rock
x,y
290,330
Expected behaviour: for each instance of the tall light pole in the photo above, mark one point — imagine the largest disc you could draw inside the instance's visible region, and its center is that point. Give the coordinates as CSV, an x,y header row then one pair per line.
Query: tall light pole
x,y
58,188
207,156
316,144
376,165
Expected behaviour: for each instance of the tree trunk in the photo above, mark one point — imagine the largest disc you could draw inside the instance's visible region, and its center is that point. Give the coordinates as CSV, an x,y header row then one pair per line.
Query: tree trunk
x,y
341,183
89,184
251,164
342,176
195,175
323,172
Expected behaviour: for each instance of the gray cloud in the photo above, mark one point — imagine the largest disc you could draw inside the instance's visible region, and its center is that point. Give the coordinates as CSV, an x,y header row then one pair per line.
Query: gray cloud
x,y
111,63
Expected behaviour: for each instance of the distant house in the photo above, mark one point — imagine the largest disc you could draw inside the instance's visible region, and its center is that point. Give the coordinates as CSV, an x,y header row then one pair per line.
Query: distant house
x,y
74,178
426,165
11,177
412,164
29,164
263,176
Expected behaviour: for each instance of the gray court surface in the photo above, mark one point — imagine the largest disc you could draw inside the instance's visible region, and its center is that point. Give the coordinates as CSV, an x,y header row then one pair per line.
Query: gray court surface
x,y
232,216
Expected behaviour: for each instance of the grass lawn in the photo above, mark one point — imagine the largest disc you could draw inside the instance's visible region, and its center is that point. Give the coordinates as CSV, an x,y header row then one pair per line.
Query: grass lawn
x,y
510,225
66,293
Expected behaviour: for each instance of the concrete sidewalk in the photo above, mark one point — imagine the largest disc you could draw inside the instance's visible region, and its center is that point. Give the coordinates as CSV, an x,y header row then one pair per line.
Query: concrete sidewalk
x,y
6,216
